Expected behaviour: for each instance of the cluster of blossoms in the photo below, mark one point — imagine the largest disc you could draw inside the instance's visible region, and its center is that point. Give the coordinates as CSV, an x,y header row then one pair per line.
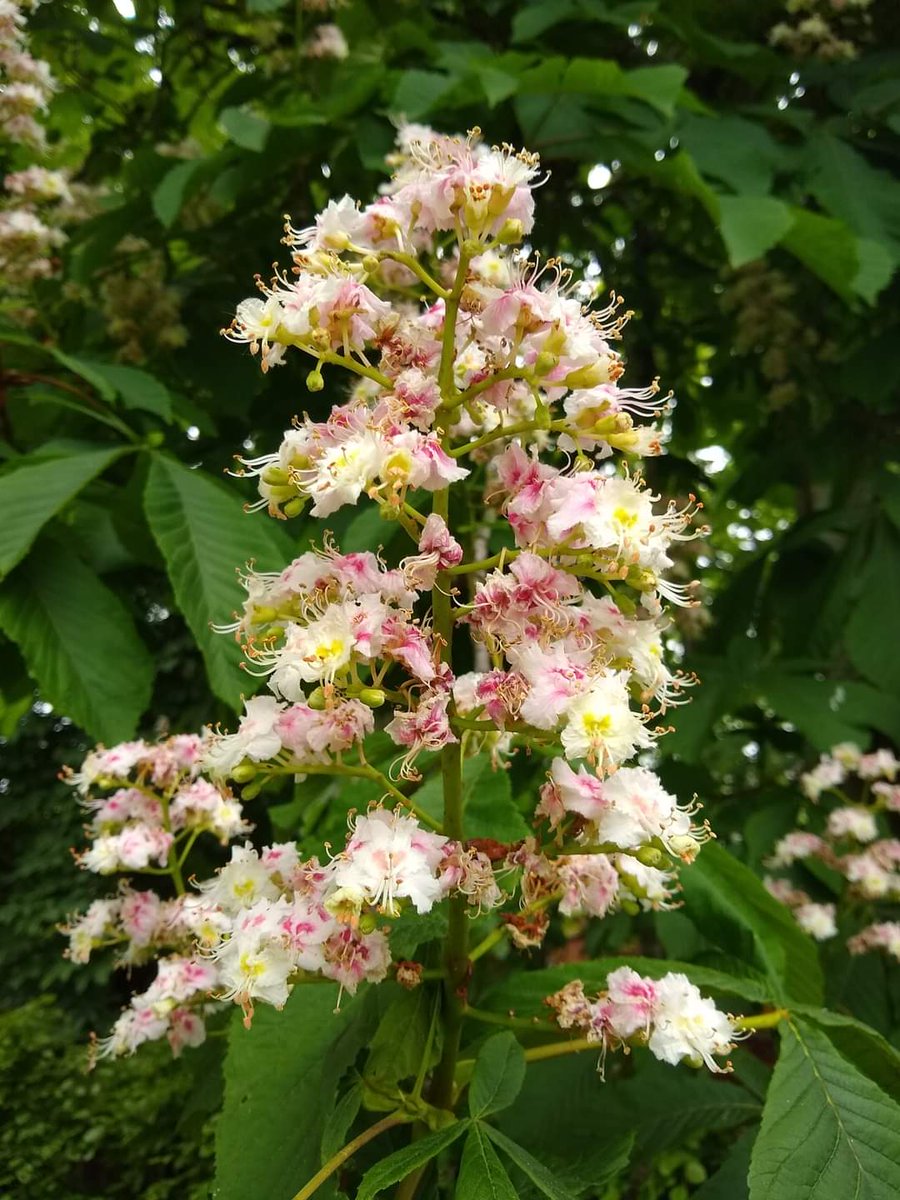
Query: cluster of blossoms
x,y
36,201
850,842
824,29
467,363
267,919
668,1015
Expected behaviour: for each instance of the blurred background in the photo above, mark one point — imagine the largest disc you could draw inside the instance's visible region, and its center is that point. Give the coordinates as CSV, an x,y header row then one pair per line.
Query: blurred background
x,y
730,169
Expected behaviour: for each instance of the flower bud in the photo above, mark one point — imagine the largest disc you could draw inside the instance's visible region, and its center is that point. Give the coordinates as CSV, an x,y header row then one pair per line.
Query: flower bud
x,y
471,247
544,363
372,697
511,232
368,923
155,437
244,772
315,381
371,264
275,476
316,700
294,507
650,856
588,377
252,790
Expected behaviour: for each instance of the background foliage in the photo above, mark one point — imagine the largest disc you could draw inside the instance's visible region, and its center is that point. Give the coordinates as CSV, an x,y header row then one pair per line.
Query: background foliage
x,y
745,201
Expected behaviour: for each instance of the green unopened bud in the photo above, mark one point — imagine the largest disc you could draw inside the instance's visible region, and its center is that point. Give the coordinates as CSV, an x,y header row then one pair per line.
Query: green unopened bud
x,y
695,1172
368,923
316,700
630,908
244,772
642,579
372,697
264,614
472,247
280,492
511,232
649,856
544,363
371,264
315,381
252,790
275,476
155,437
588,377
294,507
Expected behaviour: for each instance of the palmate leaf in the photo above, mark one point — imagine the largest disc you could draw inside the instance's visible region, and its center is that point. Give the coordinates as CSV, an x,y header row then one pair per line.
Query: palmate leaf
x,y
281,1080
827,1131
78,641
204,536
35,490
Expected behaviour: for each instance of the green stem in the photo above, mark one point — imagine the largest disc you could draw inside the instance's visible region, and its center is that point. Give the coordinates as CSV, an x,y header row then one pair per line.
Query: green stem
x,y
410,261
482,386
173,866
557,1049
531,1024
766,1020
297,768
348,1151
456,959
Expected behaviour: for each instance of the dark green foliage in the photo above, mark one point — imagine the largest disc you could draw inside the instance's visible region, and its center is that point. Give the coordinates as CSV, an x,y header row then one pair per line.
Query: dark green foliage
x,y
136,1128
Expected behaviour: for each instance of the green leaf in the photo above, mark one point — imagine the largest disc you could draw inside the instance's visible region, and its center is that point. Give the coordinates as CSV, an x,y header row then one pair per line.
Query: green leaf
x,y
490,810
657,1108
205,536
534,19
265,6
89,371
737,152
34,490
136,388
403,1162
543,1179
751,225
169,194
245,128
281,1078
78,641
827,1131
846,263
729,905
400,1041
498,1076
861,1044
418,92
345,1112
482,1175
873,625
657,86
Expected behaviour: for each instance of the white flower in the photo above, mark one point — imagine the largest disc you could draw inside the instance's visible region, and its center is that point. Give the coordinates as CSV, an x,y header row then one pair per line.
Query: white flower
x,y
255,738
601,726
687,1025
818,920
241,882
857,823
390,857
